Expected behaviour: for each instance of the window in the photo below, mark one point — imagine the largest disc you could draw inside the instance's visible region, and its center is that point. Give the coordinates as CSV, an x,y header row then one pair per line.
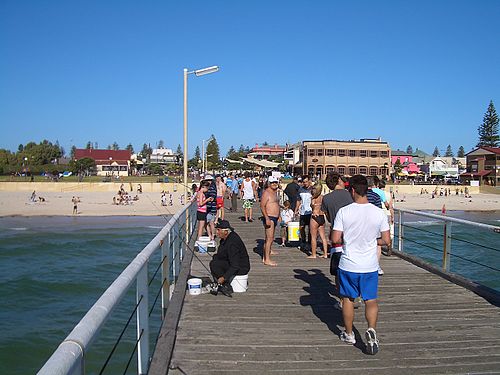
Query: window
x,y
312,152
330,152
363,153
319,152
310,170
341,153
341,170
373,171
373,154
363,170
382,171
352,153
330,169
319,170
384,154
352,170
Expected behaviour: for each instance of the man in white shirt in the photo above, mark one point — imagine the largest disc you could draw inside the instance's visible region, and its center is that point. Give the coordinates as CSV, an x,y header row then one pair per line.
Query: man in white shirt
x,y
360,227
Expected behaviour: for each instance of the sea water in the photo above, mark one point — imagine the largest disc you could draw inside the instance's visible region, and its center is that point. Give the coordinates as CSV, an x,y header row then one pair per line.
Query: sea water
x,y
52,270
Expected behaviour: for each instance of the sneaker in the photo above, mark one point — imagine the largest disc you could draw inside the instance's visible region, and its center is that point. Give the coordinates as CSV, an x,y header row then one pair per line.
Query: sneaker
x,y
226,289
348,339
371,341
380,271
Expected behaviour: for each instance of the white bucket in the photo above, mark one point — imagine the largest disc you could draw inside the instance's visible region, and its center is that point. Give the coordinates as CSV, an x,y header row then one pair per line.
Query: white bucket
x,y
204,244
194,286
240,283
293,231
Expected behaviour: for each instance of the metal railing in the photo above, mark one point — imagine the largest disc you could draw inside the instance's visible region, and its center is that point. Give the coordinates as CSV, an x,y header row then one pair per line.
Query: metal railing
x,y
470,251
172,240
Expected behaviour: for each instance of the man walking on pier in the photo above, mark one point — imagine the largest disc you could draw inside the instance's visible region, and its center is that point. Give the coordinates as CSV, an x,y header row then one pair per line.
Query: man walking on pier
x,y
360,227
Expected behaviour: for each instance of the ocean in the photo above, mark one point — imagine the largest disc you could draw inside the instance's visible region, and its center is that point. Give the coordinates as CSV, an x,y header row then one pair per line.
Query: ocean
x,y
53,269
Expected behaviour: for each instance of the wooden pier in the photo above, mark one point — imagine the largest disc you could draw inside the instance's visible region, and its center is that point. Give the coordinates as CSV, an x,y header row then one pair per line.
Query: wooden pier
x,y
288,322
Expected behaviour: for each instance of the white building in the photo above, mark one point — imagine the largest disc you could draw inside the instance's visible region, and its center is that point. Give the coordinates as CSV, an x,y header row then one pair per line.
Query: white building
x,y
163,156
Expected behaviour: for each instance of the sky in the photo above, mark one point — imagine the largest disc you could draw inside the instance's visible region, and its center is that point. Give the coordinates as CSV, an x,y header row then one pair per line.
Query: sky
x,y
418,73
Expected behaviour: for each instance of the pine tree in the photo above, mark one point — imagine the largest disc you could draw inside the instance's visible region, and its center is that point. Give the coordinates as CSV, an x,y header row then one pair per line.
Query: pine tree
x,y
161,144
72,153
461,152
89,145
449,152
115,146
197,154
130,148
231,153
397,166
213,156
436,152
179,150
409,150
488,130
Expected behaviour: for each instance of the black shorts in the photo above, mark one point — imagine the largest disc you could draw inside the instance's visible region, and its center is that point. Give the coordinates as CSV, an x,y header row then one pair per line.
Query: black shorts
x,y
305,220
334,263
201,216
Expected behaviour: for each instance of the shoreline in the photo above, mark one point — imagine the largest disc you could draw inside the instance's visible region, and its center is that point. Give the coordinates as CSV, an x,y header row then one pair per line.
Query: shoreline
x,y
100,203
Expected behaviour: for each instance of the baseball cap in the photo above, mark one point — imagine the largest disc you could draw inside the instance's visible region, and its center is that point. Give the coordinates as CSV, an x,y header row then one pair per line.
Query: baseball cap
x,y
272,179
208,177
223,224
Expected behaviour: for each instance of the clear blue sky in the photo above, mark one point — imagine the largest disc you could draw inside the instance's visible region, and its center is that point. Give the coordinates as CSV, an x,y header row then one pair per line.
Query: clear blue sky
x,y
417,73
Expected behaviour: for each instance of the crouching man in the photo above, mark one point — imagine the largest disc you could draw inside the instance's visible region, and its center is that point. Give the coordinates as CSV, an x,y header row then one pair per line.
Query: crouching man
x,y
231,258
360,227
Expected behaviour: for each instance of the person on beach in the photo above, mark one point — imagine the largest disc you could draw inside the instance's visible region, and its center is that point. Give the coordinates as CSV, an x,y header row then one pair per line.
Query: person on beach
x,y
286,215
139,188
33,196
248,193
201,211
317,222
304,209
75,201
269,205
360,227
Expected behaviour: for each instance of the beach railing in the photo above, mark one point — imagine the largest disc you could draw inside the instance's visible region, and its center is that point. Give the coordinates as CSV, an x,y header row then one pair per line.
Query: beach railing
x,y
468,255
172,241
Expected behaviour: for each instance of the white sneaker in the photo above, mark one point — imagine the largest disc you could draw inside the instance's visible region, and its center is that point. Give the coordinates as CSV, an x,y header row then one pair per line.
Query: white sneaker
x,y
372,344
380,271
348,339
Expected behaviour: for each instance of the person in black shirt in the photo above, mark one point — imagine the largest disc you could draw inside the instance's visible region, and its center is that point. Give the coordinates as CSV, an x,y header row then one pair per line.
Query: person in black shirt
x,y
231,258
292,192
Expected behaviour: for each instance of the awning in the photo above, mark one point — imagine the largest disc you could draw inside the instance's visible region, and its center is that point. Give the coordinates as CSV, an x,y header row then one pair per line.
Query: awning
x,y
476,174
438,173
262,163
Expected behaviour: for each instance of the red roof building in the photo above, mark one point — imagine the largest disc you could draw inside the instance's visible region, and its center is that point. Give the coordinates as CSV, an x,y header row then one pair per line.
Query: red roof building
x,y
108,162
483,164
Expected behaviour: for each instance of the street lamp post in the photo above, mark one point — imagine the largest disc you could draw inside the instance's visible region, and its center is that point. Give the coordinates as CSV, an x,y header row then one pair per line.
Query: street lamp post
x,y
198,72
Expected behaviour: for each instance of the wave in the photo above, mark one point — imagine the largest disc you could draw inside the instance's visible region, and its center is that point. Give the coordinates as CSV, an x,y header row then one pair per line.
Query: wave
x,y
154,227
19,228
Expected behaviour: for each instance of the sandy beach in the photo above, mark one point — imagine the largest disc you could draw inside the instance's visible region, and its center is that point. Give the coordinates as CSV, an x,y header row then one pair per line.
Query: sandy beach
x,y
100,203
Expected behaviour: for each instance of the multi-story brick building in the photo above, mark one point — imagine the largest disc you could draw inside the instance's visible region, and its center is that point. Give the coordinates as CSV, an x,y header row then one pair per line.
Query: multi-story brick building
x,y
366,156
483,164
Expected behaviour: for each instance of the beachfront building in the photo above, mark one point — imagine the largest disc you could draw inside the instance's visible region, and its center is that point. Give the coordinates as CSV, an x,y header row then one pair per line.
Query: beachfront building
x,y
293,157
483,165
108,162
408,166
163,156
266,152
367,156
442,168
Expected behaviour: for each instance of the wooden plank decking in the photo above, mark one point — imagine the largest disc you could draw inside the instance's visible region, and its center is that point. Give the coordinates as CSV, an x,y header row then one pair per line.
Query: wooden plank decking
x,y
287,322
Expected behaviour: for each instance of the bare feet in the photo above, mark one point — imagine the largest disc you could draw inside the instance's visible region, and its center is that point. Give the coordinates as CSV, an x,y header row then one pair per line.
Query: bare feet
x,y
312,257
272,264
274,253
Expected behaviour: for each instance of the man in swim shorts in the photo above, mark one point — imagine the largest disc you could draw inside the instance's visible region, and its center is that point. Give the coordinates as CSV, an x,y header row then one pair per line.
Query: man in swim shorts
x,y
269,205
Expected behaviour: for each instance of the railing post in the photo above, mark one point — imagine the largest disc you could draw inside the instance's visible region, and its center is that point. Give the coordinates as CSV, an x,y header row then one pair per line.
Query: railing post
x,y
400,231
142,320
165,274
446,246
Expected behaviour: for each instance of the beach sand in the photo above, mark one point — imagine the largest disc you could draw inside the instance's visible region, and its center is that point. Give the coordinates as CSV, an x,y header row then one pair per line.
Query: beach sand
x,y
91,204
17,203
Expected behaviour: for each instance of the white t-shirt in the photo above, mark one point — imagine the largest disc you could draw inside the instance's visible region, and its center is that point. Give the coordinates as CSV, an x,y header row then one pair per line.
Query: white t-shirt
x,y
361,225
286,215
248,189
305,198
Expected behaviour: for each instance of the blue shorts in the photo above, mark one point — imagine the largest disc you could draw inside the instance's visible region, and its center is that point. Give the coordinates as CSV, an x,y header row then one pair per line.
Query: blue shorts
x,y
354,284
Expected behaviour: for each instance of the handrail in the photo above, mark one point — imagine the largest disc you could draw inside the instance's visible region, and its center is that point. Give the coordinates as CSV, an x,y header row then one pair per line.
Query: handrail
x,y
447,253
69,357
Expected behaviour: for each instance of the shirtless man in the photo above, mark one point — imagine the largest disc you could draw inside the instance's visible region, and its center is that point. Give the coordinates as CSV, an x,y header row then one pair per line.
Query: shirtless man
x,y
270,208
221,193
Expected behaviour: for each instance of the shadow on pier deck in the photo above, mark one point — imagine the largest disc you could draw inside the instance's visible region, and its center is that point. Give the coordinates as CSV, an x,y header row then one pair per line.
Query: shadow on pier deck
x,y
287,322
